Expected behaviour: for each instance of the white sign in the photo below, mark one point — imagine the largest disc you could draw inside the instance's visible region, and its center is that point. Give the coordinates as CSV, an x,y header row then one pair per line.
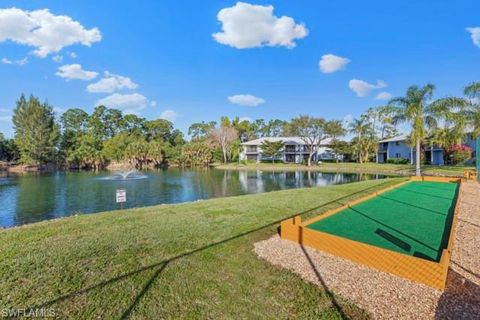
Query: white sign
x,y
121,195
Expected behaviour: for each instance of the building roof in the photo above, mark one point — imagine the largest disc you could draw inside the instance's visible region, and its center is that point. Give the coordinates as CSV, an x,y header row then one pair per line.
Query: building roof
x,y
286,140
394,139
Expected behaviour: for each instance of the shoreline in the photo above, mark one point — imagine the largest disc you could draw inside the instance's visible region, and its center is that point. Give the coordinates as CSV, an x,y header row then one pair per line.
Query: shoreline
x,y
347,167
50,168
341,167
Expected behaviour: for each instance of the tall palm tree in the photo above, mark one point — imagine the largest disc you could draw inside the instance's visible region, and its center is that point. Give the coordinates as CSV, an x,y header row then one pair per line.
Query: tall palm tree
x,y
473,91
413,108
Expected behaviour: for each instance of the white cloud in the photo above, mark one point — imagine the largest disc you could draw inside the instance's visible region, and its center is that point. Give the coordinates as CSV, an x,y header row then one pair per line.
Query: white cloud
x,y
19,62
128,103
330,63
363,88
75,71
153,103
44,31
169,115
58,58
22,62
384,95
72,54
246,100
111,82
249,26
475,34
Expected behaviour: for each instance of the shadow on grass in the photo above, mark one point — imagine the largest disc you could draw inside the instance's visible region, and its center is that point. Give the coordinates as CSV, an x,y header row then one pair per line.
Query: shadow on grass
x,y
425,194
448,222
164,263
394,240
412,205
392,228
325,288
148,285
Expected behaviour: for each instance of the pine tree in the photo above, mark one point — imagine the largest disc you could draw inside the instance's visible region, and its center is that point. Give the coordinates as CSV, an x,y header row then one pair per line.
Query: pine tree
x,y
36,131
271,149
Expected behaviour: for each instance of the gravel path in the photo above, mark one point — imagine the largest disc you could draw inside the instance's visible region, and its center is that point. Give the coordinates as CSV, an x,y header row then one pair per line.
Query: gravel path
x,y
389,297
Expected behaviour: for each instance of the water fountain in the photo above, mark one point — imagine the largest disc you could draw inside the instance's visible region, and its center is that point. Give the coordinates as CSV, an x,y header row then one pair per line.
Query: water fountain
x,y
128,175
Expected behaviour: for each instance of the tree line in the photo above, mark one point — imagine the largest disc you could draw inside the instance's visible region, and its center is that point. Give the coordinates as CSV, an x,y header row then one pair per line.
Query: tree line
x,y
93,141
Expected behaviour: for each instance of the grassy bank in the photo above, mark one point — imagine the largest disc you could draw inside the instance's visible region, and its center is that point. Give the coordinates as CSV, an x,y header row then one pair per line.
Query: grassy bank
x,y
191,260
386,168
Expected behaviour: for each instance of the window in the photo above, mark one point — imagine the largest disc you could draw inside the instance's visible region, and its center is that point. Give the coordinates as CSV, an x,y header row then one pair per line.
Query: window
x,y
397,143
251,157
398,155
251,148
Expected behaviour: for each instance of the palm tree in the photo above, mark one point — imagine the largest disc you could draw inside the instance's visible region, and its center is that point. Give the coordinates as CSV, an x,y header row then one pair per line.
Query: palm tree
x,y
451,112
364,138
473,91
428,117
413,108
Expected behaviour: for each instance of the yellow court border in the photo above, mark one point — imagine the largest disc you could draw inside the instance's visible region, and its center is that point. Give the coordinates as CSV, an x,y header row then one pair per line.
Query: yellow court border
x,y
431,273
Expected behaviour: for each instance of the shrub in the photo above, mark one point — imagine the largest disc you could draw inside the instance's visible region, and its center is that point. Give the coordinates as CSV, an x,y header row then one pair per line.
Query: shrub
x,y
459,153
459,156
397,160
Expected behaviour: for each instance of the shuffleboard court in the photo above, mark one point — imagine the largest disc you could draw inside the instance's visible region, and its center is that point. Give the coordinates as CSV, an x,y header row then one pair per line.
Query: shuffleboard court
x,y
413,219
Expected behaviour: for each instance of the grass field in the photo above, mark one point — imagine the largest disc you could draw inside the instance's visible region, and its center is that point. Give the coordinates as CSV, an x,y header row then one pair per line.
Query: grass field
x,y
414,219
385,168
192,260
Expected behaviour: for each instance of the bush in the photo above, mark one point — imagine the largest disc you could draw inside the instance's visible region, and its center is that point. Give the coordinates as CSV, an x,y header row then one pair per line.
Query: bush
x,y
458,157
459,154
397,160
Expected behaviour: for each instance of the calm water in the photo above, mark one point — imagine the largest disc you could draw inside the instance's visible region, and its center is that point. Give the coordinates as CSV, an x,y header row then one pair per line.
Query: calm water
x,y
32,198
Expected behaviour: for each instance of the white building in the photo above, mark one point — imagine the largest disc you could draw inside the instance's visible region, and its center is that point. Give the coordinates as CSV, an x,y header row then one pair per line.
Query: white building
x,y
295,150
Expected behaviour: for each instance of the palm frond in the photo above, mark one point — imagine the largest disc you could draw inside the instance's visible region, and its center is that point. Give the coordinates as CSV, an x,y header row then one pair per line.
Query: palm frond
x,y
472,90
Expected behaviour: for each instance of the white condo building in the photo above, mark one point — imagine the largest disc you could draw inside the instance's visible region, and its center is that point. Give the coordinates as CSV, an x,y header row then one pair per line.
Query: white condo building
x,y
295,150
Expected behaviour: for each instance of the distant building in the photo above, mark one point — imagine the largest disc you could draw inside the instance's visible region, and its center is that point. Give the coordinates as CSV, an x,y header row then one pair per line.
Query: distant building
x,y
395,148
295,150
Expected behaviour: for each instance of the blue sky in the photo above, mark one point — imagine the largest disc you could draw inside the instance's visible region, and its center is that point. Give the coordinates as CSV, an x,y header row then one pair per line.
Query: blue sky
x,y
163,60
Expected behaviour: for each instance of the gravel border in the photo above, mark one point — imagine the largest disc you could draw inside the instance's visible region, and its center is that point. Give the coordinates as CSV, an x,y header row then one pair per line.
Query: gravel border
x,y
387,296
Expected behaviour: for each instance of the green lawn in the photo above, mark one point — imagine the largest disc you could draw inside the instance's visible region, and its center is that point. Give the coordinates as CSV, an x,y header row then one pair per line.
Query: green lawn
x,y
386,168
414,219
191,260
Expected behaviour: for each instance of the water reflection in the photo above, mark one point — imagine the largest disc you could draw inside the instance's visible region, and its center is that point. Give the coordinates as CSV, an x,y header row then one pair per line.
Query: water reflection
x,y
264,181
31,198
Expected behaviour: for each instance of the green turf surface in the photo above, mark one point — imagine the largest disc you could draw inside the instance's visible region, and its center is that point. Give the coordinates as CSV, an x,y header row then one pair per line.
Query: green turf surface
x,y
414,219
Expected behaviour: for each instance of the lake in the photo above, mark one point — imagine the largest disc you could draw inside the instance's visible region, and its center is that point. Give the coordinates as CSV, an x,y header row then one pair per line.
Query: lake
x,y
36,197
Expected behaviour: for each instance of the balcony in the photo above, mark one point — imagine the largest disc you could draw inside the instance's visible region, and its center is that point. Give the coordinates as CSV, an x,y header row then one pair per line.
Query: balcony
x,y
251,149
290,149
382,147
